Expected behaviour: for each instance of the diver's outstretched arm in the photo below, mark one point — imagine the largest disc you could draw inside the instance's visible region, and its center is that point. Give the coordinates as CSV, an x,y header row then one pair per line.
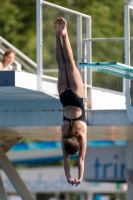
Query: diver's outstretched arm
x,y
81,159
67,165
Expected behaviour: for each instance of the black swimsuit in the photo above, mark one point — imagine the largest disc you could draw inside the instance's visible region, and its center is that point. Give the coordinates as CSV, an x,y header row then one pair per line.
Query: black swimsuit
x,y
68,98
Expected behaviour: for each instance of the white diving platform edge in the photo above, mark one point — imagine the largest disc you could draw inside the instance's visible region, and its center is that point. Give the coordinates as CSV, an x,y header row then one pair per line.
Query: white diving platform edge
x,y
114,68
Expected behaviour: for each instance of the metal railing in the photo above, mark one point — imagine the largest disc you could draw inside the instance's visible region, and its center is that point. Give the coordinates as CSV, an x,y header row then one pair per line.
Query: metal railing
x,y
22,62
79,26
101,46
25,62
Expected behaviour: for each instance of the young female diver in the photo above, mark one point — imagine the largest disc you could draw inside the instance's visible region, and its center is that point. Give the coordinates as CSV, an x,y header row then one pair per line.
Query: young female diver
x,y
70,88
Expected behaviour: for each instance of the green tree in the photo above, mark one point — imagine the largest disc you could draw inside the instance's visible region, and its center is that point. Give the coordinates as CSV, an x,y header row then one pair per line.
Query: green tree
x,y
107,16
18,25
18,20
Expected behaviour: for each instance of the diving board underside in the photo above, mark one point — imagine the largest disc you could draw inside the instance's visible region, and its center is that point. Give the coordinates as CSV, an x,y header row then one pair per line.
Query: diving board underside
x,y
114,68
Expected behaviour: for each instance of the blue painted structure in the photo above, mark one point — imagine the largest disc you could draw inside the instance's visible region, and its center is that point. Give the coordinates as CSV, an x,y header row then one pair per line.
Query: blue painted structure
x,y
114,68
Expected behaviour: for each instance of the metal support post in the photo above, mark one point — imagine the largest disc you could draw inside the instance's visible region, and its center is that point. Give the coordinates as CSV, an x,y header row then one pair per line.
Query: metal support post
x,y
3,195
129,108
14,177
79,42
89,196
39,43
88,50
88,58
85,76
129,169
127,51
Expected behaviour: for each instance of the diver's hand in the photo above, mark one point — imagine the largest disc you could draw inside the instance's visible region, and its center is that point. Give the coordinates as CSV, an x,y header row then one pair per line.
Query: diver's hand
x,y
71,180
77,181
74,181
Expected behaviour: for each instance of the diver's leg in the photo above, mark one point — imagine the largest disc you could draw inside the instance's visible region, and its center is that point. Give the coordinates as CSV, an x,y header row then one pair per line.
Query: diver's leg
x,y
74,77
62,74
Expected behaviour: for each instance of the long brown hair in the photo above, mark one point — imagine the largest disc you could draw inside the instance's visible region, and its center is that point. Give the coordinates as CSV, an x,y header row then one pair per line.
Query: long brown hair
x,y
71,142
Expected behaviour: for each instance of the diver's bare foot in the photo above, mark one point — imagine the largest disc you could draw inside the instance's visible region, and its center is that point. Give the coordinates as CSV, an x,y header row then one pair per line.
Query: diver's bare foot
x,y
57,26
63,27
